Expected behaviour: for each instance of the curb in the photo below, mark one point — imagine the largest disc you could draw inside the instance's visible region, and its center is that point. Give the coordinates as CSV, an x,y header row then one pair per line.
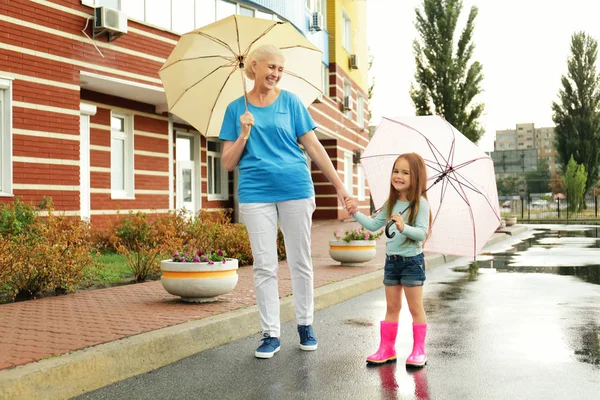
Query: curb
x,y
85,370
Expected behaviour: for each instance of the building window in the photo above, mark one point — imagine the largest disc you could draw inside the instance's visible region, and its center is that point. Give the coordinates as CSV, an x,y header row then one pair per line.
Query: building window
x,y
183,16
225,9
114,4
5,137
360,111
263,15
348,167
346,32
217,175
206,12
121,156
325,78
247,12
348,99
361,183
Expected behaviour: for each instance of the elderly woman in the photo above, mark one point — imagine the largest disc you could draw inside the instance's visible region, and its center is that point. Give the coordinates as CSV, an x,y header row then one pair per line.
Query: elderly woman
x,y
275,184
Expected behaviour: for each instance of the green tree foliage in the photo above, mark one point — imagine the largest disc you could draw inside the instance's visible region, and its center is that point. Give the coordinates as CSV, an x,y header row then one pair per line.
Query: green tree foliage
x,y
574,184
576,114
446,80
539,180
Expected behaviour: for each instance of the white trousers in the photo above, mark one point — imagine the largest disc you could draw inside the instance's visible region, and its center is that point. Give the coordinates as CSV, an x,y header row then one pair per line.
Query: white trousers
x,y
295,220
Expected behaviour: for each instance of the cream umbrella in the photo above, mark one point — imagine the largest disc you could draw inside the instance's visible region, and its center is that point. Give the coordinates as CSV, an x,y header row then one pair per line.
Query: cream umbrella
x,y
204,72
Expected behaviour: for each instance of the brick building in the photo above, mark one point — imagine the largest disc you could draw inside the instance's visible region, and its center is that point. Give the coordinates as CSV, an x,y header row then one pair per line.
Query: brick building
x,y
83,113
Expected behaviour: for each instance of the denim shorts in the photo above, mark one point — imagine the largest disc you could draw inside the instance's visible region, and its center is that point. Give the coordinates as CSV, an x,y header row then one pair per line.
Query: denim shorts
x,y
405,271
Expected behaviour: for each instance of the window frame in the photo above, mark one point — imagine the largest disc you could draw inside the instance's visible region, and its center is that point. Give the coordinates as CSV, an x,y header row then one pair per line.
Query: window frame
x,y
346,32
224,195
360,111
361,195
128,192
196,10
325,76
347,84
6,146
348,173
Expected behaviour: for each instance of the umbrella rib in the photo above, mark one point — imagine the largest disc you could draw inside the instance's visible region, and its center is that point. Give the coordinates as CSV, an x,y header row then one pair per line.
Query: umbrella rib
x,y
471,186
301,78
455,167
429,143
217,99
190,87
452,150
470,214
259,37
196,58
217,40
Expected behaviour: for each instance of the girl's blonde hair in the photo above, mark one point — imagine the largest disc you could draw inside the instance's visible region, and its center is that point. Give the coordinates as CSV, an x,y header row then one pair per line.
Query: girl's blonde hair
x,y
258,55
417,189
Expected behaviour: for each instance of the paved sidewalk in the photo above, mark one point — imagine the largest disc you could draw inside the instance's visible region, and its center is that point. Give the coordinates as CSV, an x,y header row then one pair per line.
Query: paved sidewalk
x,y
46,328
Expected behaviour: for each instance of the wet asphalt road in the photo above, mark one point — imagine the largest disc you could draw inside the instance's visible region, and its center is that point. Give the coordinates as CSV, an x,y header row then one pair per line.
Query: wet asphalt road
x,y
503,334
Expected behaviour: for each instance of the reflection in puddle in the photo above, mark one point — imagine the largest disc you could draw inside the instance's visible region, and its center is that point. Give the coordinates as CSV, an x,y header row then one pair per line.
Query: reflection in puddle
x,y
556,250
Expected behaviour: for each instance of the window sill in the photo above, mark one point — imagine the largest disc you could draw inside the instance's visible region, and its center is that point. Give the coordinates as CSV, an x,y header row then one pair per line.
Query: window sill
x,y
217,198
121,197
3,194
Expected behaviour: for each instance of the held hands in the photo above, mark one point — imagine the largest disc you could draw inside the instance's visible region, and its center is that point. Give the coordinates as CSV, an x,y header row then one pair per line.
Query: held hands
x,y
246,120
351,206
397,218
346,200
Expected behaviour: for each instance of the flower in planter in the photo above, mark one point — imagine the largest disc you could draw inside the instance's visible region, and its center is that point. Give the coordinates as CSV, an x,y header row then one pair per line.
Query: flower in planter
x,y
198,256
356,234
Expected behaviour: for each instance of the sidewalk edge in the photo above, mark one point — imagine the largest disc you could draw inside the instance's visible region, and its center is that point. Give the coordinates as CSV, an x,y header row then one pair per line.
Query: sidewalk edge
x,y
85,370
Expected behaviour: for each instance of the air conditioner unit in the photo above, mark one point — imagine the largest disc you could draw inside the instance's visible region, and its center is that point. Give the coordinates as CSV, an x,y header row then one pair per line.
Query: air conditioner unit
x,y
347,105
353,61
109,21
317,22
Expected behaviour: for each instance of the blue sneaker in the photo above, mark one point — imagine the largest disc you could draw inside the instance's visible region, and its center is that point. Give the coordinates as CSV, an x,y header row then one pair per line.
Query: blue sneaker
x,y
268,347
308,341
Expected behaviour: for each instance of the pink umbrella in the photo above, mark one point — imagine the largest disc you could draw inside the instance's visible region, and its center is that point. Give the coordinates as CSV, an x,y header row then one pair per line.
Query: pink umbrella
x,y
462,186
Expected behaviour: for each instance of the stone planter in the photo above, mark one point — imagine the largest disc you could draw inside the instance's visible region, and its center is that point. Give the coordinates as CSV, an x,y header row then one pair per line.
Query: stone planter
x,y
199,282
352,253
510,221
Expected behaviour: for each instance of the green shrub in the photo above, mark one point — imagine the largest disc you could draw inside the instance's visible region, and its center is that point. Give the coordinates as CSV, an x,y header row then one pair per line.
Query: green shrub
x,y
51,260
16,218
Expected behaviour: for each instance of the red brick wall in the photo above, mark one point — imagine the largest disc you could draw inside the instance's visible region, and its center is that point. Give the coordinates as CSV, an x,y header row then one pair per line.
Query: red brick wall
x,y
61,59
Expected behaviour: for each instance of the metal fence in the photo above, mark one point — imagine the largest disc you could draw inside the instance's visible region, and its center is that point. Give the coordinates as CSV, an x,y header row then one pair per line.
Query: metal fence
x,y
549,208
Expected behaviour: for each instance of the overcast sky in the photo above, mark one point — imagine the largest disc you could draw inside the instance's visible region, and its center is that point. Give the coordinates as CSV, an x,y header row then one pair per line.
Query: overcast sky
x,y
522,44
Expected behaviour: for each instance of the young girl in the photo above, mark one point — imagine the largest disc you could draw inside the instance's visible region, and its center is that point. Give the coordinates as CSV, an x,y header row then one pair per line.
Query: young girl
x,y
404,264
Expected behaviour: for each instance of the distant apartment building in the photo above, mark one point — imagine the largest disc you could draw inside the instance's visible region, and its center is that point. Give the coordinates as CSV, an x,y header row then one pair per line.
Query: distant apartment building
x,y
524,137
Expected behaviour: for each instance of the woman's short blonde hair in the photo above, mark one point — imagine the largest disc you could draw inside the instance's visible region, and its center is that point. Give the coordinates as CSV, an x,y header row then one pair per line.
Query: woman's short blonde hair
x,y
258,55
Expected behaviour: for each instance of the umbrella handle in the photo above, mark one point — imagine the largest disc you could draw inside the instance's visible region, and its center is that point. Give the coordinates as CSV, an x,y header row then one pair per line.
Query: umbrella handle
x,y
387,229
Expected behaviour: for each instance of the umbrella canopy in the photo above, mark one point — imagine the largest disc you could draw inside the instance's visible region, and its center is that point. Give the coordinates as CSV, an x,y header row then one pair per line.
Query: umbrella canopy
x,y
204,72
462,186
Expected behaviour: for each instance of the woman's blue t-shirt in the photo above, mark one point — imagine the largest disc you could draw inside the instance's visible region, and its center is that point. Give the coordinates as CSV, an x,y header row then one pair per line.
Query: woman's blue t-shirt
x,y
272,167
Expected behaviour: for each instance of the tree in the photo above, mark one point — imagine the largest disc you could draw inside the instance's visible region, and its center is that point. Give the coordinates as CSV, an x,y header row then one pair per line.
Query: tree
x,y
576,115
539,180
556,184
446,80
508,186
574,184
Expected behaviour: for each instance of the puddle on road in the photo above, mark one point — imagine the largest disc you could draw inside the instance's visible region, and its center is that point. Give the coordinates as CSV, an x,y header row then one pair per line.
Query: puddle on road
x,y
560,250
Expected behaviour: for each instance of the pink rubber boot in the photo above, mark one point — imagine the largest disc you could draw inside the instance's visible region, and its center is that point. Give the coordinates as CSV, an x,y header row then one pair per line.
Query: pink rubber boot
x,y
418,358
387,350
